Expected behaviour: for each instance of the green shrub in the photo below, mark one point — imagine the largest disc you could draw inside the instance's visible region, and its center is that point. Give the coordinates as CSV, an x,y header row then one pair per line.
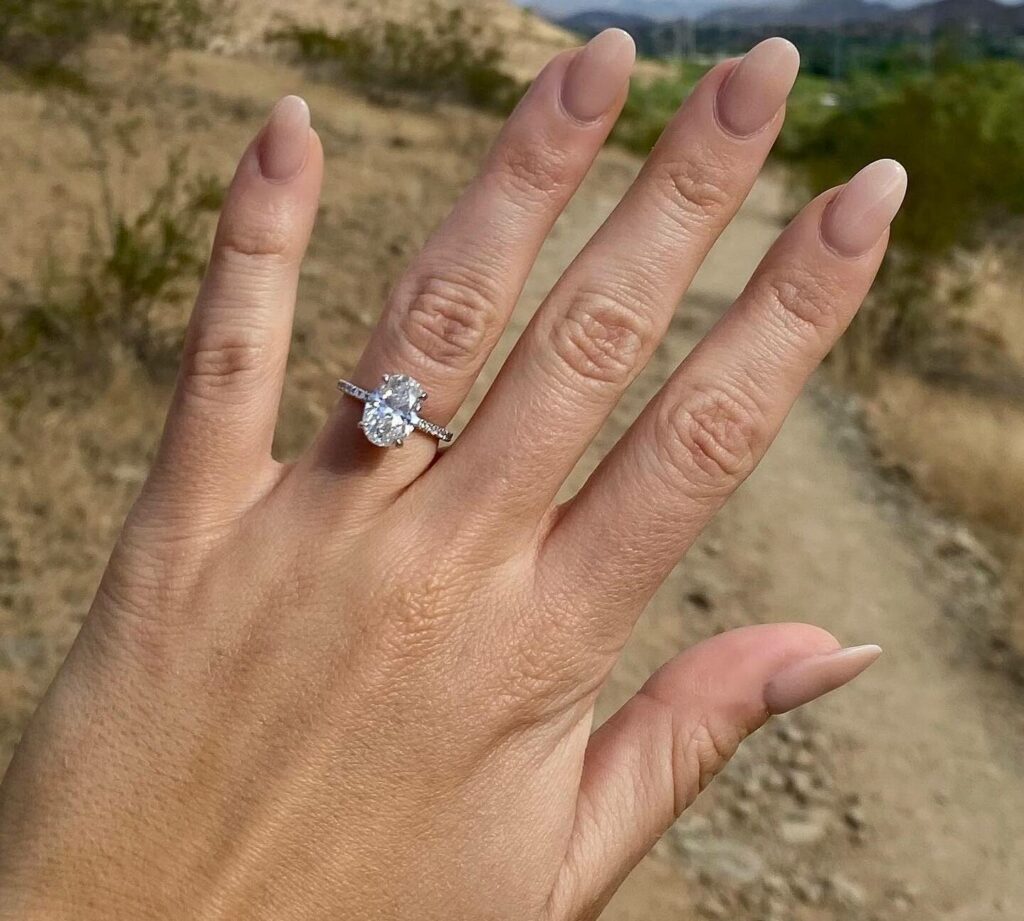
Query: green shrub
x,y
42,37
960,134
134,263
445,54
650,105
39,36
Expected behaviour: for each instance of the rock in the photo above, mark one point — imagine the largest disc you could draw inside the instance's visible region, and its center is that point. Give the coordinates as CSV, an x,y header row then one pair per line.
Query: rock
x,y
817,742
712,907
712,546
700,600
725,861
791,733
751,788
855,818
807,891
803,757
694,825
809,828
845,891
801,785
960,542
743,809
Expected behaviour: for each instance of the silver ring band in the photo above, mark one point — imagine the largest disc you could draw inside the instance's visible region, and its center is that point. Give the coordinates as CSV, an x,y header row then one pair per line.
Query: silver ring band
x,y
392,411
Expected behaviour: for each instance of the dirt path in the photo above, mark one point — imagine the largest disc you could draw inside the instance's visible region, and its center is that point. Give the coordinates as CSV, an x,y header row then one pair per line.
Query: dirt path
x,y
901,797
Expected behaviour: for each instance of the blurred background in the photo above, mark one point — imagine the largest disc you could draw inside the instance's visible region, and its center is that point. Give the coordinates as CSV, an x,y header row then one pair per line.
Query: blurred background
x,y
891,509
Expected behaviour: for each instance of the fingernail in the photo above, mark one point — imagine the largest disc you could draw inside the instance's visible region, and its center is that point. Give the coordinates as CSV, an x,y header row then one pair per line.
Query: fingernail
x,y
596,76
758,87
284,141
808,679
864,207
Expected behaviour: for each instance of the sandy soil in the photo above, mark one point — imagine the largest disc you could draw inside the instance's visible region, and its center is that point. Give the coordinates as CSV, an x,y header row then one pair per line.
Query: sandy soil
x,y
900,797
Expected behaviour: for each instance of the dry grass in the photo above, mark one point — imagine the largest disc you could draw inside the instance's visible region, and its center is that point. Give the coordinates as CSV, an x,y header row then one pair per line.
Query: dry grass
x,y
956,425
965,451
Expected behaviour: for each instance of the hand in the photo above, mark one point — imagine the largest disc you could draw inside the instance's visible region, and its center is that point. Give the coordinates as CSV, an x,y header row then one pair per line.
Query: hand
x,y
361,686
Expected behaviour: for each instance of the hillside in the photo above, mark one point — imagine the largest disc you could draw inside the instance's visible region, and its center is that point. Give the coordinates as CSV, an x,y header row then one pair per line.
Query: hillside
x,y
529,39
973,16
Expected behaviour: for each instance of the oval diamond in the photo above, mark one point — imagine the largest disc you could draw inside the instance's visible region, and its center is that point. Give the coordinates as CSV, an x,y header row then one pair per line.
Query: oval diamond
x,y
391,411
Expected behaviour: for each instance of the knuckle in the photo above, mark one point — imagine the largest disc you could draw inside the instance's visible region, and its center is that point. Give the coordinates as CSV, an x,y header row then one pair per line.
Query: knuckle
x,y
532,171
448,318
802,301
694,188
704,752
223,364
601,339
264,235
711,440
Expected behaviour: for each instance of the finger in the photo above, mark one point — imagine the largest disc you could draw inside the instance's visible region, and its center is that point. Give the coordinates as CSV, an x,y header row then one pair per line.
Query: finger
x,y
608,312
712,422
220,426
648,763
450,307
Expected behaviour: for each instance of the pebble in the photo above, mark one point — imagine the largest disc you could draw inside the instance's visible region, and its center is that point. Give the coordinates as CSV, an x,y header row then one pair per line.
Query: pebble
x,y
855,818
805,829
807,891
845,891
725,861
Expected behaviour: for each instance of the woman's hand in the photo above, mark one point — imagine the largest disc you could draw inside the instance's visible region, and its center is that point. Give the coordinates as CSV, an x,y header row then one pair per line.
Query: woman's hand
x,y
361,686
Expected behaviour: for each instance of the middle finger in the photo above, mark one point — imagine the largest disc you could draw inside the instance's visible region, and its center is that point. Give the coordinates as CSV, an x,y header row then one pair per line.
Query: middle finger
x,y
601,322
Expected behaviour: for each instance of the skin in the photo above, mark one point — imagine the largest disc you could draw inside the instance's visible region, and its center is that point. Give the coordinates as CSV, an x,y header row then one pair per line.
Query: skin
x,y
362,685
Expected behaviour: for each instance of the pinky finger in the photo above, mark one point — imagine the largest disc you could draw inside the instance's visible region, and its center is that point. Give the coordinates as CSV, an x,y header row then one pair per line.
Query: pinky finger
x,y
647,764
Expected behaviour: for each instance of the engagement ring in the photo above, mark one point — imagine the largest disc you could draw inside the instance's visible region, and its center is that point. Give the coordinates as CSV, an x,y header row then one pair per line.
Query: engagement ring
x,y
392,411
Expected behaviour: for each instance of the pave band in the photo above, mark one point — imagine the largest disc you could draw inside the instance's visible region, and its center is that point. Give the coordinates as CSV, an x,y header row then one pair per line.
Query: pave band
x,y
392,411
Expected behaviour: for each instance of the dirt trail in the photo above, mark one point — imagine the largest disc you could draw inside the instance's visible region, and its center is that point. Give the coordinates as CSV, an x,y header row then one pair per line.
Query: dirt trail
x,y
900,797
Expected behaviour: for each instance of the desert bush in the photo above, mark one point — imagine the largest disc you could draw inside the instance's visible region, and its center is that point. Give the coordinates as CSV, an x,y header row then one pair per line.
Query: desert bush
x,y
444,54
133,264
41,37
960,134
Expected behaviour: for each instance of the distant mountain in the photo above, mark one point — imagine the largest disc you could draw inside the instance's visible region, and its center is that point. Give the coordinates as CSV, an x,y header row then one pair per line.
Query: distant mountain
x,y
643,9
972,15
806,13
590,22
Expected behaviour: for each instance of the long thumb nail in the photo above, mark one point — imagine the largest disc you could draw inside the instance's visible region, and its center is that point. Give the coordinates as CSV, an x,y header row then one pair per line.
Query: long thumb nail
x,y
284,141
801,682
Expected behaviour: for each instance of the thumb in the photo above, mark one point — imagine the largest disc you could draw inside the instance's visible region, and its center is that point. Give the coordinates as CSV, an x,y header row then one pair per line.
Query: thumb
x,y
647,763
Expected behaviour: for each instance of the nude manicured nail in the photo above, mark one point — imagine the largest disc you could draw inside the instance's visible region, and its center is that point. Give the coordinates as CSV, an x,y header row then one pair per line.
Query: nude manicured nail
x,y
597,75
864,208
801,682
284,141
758,87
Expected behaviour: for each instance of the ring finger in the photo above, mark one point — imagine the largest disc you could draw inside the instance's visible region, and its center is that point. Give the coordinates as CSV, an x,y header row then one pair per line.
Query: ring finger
x,y
448,311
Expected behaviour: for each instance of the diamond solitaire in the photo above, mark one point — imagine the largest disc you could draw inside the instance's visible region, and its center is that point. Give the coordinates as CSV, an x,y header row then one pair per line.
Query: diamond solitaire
x,y
392,411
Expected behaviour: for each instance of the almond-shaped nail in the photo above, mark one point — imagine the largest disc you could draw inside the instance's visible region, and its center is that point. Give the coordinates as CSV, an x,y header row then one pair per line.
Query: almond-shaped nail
x,y
284,141
801,682
864,208
598,74
757,87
